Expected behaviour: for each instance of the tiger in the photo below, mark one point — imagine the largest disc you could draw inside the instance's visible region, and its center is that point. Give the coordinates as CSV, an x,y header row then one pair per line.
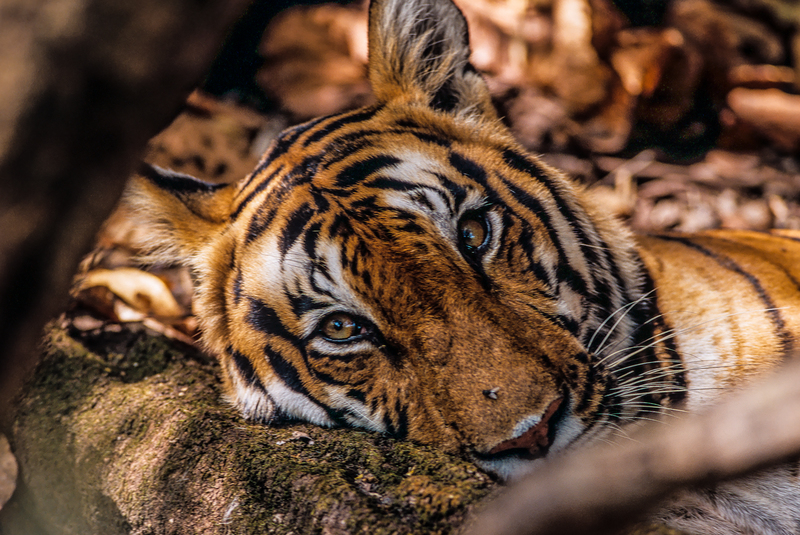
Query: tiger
x,y
410,269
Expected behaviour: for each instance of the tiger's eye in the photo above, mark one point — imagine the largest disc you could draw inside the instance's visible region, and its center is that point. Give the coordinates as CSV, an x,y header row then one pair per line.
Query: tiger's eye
x,y
339,327
472,232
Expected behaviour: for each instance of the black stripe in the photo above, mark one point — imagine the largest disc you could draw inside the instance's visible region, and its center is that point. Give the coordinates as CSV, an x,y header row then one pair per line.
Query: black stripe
x,y
321,268
788,275
399,428
321,203
344,260
264,319
287,373
412,228
526,243
383,182
564,270
729,264
265,181
302,303
259,222
351,143
346,146
245,369
433,139
469,169
367,279
791,238
421,199
601,295
458,192
357,395
408,123
289,137
328,379
651,326
425,134
178,184
332,357
310,239
237,287
340,226
369,202
350,118
294,226
357,172
300,174
592,384
280,146
523,164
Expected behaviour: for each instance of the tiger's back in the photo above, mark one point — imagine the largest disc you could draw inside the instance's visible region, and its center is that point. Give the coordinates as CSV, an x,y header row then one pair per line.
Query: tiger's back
x,y
733,303
408,268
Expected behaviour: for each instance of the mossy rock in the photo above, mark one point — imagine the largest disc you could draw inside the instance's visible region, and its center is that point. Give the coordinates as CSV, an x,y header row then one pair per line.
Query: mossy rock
x,y
133,438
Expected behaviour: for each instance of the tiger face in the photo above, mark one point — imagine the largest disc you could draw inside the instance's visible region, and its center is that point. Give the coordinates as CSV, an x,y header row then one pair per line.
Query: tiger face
x,y
407,268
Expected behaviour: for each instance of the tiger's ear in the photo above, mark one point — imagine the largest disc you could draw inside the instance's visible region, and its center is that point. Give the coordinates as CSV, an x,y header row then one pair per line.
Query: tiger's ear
x,y
419,51
181,214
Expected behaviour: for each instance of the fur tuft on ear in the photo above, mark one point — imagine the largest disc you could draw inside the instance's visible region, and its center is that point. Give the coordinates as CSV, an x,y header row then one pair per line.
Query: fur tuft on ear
x,y
419,51
181,213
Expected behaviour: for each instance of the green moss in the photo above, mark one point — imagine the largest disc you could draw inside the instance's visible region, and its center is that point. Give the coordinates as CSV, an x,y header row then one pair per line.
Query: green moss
x,y
154,450
155,444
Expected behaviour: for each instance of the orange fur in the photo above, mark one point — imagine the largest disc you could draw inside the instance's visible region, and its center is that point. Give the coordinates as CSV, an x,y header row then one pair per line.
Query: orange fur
x,y
409,269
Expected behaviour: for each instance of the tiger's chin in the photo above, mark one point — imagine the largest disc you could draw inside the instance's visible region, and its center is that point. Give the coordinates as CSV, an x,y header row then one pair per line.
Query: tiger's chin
x,y
509,466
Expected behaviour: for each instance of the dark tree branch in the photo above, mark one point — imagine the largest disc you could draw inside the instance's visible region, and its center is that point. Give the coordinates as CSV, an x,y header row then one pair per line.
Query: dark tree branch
x,y
84,85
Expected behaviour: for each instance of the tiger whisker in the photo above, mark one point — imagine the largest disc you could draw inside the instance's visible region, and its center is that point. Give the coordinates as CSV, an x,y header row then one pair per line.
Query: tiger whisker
x,y
637,329
625,309
672,333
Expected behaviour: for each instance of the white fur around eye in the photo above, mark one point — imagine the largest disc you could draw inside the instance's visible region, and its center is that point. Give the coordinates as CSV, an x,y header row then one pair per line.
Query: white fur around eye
x,y
340,349
494,222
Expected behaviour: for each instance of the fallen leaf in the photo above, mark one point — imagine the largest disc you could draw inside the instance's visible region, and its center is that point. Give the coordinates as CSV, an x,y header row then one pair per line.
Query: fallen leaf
x,y
770,111
8,471
142,291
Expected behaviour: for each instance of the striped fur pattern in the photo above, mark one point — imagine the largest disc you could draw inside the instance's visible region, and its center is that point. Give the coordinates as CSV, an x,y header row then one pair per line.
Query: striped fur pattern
x,y
408,268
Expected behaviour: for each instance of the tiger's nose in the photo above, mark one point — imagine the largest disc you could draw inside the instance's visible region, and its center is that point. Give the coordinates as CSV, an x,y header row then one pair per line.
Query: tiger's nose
x,y
537,439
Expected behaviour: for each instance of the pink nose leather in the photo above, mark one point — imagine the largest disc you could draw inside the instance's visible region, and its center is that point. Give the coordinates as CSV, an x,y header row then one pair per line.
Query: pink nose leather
x,y
535,439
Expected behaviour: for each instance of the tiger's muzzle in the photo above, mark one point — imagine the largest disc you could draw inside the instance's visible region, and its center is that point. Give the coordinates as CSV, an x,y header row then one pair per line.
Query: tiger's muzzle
x,y
537,439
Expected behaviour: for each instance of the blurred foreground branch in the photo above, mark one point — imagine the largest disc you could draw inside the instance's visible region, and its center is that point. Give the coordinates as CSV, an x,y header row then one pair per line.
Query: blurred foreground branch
x,y
84,85
602,490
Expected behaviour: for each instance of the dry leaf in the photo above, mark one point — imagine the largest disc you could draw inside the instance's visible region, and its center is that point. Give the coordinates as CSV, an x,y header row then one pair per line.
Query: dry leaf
x,y
770,111
8,471
142,291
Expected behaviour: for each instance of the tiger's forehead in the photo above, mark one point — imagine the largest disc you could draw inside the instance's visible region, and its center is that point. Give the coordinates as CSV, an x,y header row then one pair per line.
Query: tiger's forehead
x,y
337,209
341,220
392,148
414,181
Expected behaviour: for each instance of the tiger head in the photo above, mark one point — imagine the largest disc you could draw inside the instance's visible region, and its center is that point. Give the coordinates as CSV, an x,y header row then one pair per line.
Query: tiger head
x,y
407,268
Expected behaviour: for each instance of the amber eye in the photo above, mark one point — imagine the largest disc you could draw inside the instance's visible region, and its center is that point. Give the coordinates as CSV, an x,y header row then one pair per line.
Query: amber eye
x,y
340,327
472,231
